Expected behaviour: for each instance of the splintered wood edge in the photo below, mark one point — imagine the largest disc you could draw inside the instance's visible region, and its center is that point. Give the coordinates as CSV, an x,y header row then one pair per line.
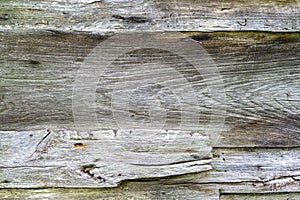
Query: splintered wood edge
x,y
58,164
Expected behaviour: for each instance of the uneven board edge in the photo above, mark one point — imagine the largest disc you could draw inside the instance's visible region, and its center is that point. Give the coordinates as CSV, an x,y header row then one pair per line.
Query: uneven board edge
x,y
157,15
145,191
110,33
267,168
271,196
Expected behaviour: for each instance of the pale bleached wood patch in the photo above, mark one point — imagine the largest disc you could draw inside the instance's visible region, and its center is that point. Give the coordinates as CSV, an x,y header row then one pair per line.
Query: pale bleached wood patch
x,y
145,15
59,164
62,159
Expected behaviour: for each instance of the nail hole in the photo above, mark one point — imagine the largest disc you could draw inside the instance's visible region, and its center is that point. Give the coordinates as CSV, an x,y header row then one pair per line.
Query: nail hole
x,y
79,145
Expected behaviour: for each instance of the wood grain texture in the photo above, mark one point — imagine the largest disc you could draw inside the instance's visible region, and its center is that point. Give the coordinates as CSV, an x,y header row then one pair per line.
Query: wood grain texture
x,y
57,161
144,15
152,193
128,191
290,196
258,150
101,163
258,70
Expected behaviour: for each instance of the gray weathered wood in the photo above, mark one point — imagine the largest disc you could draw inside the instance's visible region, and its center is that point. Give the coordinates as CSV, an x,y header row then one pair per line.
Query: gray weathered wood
x,y
104,162
144,15
127,191
290,196
59,164
44,43
155,193
258,71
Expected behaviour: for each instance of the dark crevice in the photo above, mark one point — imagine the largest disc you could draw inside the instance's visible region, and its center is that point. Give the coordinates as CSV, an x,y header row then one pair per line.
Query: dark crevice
x,y
33,62
132,19
4,17
87,169
168,164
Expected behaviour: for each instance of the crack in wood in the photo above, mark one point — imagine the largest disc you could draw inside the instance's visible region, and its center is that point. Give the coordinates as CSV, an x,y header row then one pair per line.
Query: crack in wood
x,y
274,183
227,8
205,160
132,19
96,2
280,182
39,147
3,105
88,169
33,62
243,23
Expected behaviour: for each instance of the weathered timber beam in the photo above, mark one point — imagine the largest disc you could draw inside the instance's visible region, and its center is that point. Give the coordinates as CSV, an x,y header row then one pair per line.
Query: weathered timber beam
x,y
102,162
116,16
260,72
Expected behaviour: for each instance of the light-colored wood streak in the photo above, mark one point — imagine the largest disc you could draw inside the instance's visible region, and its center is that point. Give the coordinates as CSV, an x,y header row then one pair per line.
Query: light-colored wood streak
x,y
103,163
145,15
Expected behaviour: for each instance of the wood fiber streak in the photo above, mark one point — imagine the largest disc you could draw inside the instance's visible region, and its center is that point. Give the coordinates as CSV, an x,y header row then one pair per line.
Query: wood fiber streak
x,y
260,72
145,15
256,156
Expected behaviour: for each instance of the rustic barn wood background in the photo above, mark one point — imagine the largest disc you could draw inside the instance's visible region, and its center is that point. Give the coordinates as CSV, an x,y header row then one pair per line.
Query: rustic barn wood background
x,y
255,45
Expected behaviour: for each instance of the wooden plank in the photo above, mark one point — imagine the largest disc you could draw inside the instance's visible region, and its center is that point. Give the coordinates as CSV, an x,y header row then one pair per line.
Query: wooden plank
x,y
172,15
37,77
287,185
39,69
128,191
289,196
58,164
239,165
44,44
62,160
249,170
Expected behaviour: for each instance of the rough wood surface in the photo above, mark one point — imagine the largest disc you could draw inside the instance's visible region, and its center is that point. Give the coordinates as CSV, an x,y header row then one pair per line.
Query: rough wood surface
x,y
146,193
102,163
128,191
289,196
260,72
145,15
59,164
44,43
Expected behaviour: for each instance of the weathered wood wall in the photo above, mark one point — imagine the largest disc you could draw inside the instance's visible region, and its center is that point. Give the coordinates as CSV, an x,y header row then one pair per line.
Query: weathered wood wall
x,y
44,43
